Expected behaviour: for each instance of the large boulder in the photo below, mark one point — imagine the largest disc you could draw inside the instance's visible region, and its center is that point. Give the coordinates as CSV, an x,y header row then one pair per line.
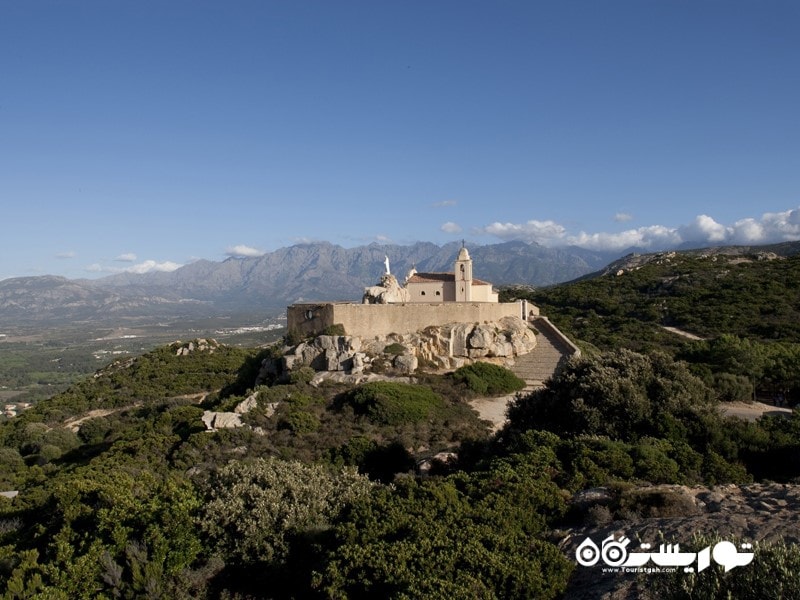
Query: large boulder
x,y
406,363
389,291
444,347
482,336
459,333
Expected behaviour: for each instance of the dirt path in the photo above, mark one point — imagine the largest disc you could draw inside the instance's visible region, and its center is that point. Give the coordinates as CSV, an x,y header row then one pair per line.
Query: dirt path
x,y
492,410
75,423
750,411
683,333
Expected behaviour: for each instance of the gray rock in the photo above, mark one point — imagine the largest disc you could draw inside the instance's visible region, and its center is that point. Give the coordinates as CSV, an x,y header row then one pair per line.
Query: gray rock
x,y
459,334
481,337
246,405
357,364
406,363
221,420
598,495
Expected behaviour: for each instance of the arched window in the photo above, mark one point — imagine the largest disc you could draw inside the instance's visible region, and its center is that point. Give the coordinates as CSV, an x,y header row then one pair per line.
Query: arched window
x,y
422,293
438,293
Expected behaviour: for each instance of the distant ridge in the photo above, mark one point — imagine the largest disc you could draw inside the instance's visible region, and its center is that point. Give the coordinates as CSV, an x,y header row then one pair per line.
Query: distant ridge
x,y
324,271
309,272
634,260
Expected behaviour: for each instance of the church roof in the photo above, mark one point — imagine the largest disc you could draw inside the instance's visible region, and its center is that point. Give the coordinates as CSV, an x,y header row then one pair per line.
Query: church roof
x,y
434,277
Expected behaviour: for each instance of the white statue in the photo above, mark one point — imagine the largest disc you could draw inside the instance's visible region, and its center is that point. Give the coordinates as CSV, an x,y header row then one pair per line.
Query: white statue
x,y
386,262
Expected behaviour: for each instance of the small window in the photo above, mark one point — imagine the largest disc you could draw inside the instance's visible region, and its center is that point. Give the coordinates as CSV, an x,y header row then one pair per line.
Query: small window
x,y
422,293
438,293
309,315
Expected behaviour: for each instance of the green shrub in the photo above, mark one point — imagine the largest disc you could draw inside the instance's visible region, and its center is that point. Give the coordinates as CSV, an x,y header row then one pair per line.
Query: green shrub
x,y
292,337
622,395
94,430
656,503
391,403
773,574
300,422
396,349
335,329
432,539
653,463
486,378
302,375
731,388
253,508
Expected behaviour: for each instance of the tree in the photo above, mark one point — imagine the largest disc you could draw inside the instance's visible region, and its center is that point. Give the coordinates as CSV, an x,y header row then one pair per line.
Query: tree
x,y
621,395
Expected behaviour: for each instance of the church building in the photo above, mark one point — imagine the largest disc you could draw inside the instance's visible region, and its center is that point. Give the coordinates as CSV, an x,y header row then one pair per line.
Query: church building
x,y
458,286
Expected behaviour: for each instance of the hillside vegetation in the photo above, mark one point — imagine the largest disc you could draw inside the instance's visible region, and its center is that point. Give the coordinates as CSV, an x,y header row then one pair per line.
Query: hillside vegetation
x,y
745,306
390,489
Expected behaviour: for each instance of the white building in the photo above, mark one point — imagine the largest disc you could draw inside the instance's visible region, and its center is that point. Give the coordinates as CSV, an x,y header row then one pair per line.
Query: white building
x,y
458,286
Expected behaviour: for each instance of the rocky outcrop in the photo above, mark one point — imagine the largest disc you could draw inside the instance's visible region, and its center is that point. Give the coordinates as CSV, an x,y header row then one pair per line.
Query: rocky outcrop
x,y
387,291
198,345
232,420
221,420
442,347
766,512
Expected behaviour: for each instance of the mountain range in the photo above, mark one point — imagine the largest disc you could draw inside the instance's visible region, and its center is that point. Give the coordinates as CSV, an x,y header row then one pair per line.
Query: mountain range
x,y
303,272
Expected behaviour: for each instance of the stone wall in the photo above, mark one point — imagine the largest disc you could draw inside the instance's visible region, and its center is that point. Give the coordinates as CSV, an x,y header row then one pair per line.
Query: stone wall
x,y
369,320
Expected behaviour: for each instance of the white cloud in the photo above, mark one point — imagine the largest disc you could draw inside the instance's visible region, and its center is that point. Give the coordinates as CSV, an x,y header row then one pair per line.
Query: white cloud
x,y
542,232
704,229
780,227
127,257
65,255
451,227
770,228
149,266
445,203
623,217
654,236
242,251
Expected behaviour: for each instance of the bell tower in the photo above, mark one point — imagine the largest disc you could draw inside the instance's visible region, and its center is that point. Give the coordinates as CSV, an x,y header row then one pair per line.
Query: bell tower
x,y
463,275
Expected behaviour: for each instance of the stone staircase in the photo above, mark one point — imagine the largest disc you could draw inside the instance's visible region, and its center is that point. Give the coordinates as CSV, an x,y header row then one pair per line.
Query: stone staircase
x,y
539,365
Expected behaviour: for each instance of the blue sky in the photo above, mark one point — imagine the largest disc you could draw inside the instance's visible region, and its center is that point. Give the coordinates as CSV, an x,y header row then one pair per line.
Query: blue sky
x,y
140,135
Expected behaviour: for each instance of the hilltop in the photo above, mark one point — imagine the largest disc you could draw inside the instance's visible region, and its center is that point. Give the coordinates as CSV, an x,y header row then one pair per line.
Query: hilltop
x,y
745,291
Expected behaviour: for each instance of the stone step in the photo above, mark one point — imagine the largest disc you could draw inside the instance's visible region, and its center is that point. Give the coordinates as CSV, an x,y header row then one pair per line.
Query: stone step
x,y
540,364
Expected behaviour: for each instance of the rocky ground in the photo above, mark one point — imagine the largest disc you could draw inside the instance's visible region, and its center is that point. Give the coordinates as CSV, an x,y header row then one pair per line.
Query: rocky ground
x,y
748,513
752,513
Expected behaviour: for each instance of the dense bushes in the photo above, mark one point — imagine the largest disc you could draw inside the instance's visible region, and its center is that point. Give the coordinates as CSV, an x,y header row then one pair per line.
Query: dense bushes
x,y
621,395
664,416
393,403
251,508
774,574
136,505
486,378
464,537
